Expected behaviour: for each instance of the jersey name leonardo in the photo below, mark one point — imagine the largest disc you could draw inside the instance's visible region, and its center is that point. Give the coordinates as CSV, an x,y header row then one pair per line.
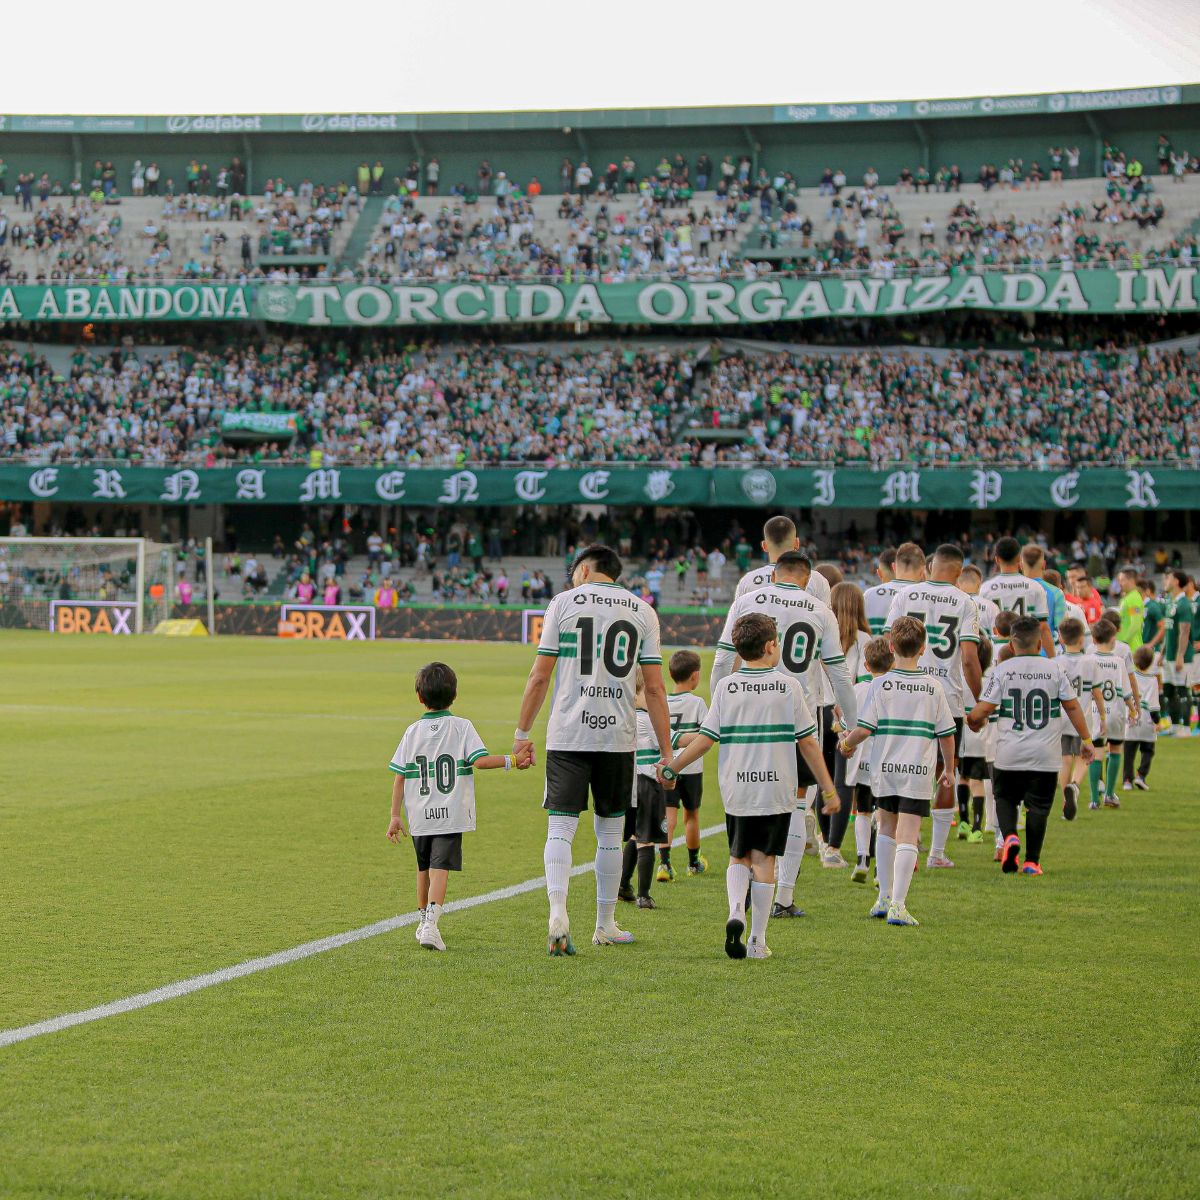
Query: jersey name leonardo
x,y
687,713
1028,692
1016,594
950,618
599,633
808,632
878,603
905,713
436,757
757,716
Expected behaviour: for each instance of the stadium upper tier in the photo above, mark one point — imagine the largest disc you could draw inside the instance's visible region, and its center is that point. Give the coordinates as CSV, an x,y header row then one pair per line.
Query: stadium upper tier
x,y
883,229
443,405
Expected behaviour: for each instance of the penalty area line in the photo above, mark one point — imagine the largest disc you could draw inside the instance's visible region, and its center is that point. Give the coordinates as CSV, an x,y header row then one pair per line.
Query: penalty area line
x,y
281,958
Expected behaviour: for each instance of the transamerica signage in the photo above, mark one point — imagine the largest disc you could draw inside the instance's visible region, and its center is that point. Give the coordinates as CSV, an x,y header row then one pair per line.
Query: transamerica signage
x,y
683,302
902,486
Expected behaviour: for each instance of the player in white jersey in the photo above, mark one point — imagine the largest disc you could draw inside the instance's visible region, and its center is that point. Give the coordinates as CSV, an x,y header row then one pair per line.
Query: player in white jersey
x,y
951,652
1143,733
779,536
908,721
877,599
646,820
809,637
763,725
1122,651
1029,694
595,634
434,788
1081,671
1120,709
687,710
1013,592
970,580
973,769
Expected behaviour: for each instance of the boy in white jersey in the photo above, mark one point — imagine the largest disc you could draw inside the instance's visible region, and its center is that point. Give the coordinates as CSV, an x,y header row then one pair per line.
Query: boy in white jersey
x,y
1143,733
687,711
593,636
1120,708
1028,693
761,721
970,580
973,769
1013,592
435,787
1081,671
908,720
646,820
877,600
951,652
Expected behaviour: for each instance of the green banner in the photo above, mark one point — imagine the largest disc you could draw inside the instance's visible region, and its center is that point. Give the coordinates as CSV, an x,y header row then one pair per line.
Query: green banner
x,y
687,303
262,424
1146,487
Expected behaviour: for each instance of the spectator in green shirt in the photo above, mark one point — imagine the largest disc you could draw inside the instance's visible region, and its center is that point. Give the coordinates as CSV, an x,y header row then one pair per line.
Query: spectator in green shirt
x,y
1132,609
1153,629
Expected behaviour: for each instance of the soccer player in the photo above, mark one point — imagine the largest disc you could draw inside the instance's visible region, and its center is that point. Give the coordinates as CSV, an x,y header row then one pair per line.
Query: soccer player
x,y
970,581
1012,592
1144,731
1033,566
763,725
596,633
435,787
1179,621
878,600
1192,670
1116,686
646,820
951,654
1153,629
856,786
687,711
1028,693
779,536
809,639
973,768
908,720
1071,612
1083,593
1132,609
1081,672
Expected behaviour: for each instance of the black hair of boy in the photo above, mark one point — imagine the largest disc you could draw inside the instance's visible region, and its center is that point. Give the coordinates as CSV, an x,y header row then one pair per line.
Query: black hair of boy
x,y
603,559
1071,631
1104,631
751,634
1143,657
437,686
1007,551
1002,626
683,665
1026,632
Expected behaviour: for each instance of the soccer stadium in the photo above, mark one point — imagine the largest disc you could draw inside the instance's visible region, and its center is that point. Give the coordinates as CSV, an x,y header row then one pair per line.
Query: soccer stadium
x,y
744,548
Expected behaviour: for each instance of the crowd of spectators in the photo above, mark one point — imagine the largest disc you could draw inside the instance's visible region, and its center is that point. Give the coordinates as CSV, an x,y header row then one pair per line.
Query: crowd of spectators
x,y
446,404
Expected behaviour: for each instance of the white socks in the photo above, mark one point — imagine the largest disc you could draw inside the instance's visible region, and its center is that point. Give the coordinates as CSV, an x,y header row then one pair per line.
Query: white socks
x,y
943,818
789,865
989,808
608,868
862,835
904,864
760,910
885,857
560,833
432,912
737,880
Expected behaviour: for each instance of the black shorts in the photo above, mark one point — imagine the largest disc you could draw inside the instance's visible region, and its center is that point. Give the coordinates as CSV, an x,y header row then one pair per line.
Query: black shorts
x,y
767,835
687,794
826,738
1034,789
647,824
864,802
1113,744
1100,742
1072,744
910,806
438,852
958,732
972,767
570,774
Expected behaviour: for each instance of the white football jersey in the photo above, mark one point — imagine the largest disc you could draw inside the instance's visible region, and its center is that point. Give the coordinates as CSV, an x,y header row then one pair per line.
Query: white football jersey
x,y
648,755
757,715
878,603
687,712
988,611
1143,729
817,584
905,713
855,663
1081,671
1076,613
598,632
1028,692
858,765
436,757
950,618
1114,683
1014,593
808,637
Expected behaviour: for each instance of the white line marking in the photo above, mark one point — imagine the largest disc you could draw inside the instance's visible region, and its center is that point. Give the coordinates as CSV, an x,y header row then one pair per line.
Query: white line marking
x,y
197,983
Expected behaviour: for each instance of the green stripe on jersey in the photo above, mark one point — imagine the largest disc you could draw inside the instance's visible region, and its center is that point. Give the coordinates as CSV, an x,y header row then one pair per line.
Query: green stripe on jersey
x,y
647,756
473,758
757,739
649,660
726,646
548,653
711,734
786,728
877,624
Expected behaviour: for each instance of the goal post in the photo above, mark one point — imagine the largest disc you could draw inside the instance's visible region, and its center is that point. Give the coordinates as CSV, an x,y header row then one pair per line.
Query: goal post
x,y
107,585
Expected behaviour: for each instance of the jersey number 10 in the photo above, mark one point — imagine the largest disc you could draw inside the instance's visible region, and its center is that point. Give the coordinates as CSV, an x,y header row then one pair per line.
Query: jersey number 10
x,y
618,651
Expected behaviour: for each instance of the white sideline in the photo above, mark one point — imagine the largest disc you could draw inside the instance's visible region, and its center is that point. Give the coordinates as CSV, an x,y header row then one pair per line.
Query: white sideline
x,y
184,987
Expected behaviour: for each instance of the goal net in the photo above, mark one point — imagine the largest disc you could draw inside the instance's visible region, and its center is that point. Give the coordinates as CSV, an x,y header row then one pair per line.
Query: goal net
x,y
85,585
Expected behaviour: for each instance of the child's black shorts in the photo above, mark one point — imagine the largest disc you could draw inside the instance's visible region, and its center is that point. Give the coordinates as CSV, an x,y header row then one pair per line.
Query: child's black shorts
x,y
973,767
439,852
766,834
687,793
647,824
912,806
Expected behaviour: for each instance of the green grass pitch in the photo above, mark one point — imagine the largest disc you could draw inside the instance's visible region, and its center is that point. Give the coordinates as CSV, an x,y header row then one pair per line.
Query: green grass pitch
x,y
173,807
